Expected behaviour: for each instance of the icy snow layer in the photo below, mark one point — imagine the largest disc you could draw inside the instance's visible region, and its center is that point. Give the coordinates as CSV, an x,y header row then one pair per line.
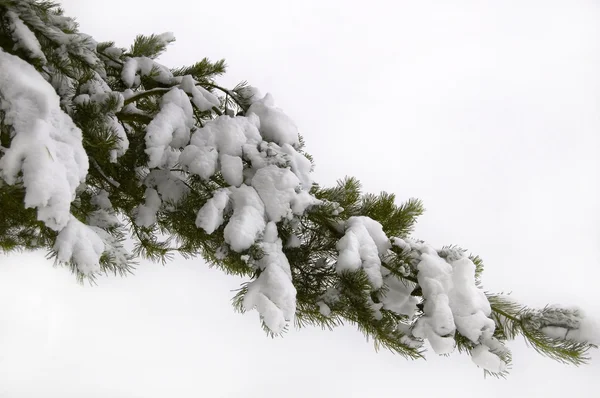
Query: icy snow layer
x,y
24,37
46,146
272,293
361,246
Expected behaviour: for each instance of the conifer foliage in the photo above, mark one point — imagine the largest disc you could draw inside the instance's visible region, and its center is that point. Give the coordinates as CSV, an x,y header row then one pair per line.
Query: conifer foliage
x,y
101,145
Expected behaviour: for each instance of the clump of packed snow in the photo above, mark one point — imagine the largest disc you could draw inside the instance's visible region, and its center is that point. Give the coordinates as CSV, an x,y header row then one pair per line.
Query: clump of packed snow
x,y
272,293
46,146
169,185
300,165
232,169
360,247
146,213
275,125
210,216
485,359
166,38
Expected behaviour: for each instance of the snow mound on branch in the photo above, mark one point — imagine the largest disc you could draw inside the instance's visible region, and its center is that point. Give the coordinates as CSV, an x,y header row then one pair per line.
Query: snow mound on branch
x,y
97,91
275,125
453,302
219,146
202,98
272,293
232,169
582,329
166,37
144,66
24,37
469,304
398,297
81,244
300,165
247,220
485,359
437,325
146,213
46,145
170,127
361,246
279,190
201,161
210,216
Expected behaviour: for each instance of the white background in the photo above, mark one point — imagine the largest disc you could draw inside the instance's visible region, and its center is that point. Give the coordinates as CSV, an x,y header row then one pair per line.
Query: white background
x,y
488,111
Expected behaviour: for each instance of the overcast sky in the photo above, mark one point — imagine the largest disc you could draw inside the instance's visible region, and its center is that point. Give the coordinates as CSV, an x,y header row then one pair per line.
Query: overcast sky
x,y
489,111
